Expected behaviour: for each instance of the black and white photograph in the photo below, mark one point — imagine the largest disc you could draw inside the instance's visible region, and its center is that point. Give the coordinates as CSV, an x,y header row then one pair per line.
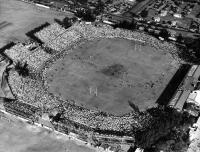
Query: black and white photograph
x,y
99,75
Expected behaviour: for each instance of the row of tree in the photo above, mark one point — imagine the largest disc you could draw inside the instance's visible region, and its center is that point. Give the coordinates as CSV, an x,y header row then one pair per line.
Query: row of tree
x,y
163,121
88,14
190,50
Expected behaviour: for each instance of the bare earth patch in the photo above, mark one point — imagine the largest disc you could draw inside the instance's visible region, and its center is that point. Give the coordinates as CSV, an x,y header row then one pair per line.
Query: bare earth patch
x,y
109,74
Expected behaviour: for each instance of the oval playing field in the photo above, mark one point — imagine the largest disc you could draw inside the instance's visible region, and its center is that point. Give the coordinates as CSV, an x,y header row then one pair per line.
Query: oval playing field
x,y
111,74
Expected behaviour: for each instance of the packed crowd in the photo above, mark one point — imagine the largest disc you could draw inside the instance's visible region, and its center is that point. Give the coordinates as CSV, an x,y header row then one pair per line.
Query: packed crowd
x,y
23,53
58,38
31,91
19,108
65,40
50,33
18,52
105,31
35,91
37,58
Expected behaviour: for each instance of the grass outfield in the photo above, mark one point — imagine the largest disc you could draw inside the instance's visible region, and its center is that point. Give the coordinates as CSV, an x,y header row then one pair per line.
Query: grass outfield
x,y
110,74
17,18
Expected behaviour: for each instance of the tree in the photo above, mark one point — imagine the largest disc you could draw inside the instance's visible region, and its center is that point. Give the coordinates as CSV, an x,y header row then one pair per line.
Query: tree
x,y
164,33
144,13
169,22
99,7
67,22
162,121
22,69
180,38
85,14
48,50
126,25
195,49
190,51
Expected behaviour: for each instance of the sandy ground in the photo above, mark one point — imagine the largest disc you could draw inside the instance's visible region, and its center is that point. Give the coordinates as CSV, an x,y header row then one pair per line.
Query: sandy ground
x,y
17,18
145,73
18,136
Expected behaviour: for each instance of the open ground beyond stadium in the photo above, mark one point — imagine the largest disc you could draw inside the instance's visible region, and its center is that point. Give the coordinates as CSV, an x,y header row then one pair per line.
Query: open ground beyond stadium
x,y
18,18
110,74
26,138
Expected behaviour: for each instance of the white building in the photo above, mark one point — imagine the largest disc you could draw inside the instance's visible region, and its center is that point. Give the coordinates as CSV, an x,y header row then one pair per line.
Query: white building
x,y
157,19
139,150
108,22
163,13
194,97
172,38
174,23
161,38
178,15
193,103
